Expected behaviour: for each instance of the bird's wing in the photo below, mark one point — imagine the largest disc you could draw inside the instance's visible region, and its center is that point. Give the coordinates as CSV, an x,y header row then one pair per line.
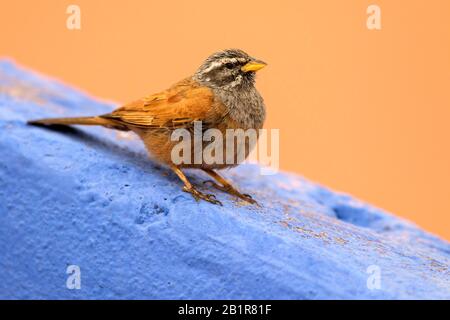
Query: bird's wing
x,y
177,107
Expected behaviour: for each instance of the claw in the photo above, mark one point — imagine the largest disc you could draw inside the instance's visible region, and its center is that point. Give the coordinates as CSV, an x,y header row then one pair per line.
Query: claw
x,y
232,191
249,198
212,198
202,196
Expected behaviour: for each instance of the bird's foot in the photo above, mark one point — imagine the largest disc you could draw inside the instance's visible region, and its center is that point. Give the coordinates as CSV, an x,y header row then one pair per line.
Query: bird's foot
x,y
231,190
202,196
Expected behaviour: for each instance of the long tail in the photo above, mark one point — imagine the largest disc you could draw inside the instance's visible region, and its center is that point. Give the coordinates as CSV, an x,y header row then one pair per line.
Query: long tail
x,y
88,121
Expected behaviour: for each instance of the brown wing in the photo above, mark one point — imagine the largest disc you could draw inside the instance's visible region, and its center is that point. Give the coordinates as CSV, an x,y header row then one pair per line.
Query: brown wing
x,y
177,107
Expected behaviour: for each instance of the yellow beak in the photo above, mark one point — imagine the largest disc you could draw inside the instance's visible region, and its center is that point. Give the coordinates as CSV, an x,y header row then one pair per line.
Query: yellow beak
x,y
254,66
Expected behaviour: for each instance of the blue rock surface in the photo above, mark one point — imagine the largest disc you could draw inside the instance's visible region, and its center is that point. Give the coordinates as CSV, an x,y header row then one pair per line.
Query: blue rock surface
x,y
90,197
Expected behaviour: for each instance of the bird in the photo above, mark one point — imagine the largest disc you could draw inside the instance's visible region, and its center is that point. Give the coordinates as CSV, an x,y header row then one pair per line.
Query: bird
x,y
221,94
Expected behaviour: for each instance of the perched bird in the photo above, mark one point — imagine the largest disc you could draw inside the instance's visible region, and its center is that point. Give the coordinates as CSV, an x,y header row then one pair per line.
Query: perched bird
x,y
221,94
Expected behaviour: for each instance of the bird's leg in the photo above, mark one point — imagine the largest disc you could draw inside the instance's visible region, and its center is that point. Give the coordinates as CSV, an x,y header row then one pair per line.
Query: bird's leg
x,y
188,187
227,186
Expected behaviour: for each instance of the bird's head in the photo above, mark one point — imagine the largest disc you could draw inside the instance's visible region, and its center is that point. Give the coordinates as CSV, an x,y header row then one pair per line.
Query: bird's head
x,y
228,69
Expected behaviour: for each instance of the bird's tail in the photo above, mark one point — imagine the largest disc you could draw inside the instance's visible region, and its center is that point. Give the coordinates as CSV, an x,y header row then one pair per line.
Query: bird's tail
x,y
87,121
90,121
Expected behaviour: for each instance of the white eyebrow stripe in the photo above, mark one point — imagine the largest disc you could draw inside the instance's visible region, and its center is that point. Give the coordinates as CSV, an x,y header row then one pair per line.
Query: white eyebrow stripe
x,y
213,65
221,62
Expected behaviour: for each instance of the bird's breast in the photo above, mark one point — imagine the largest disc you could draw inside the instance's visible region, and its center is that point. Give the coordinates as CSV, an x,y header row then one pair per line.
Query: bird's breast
x,y
245,108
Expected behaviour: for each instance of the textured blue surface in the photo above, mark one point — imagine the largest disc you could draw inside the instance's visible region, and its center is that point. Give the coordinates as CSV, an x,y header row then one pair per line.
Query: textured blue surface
x,y
92,198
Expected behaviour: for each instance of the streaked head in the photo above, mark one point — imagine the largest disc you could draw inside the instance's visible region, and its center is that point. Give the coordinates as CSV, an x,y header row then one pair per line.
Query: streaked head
x,y
229,69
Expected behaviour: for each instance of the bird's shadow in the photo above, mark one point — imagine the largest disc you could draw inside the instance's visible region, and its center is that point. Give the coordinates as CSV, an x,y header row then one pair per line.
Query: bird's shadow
x,y
138,159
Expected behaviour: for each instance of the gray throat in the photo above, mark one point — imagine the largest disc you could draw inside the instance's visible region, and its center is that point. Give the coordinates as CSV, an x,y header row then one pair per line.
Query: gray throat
x,y
246,107
244,103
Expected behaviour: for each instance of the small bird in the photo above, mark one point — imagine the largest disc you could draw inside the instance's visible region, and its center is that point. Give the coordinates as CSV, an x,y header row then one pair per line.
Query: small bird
x,y
221,94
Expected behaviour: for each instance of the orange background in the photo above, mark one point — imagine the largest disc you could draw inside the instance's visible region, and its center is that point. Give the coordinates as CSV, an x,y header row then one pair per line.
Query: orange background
x,y
366,112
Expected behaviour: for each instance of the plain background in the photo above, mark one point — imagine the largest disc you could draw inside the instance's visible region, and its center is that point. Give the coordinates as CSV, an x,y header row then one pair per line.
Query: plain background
x,y
365,112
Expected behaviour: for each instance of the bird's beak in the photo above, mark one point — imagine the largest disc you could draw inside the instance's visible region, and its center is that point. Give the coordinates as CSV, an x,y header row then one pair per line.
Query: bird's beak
x,y
253,66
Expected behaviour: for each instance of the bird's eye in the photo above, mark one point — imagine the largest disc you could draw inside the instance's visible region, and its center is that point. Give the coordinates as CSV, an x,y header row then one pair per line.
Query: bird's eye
x,y
229,65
